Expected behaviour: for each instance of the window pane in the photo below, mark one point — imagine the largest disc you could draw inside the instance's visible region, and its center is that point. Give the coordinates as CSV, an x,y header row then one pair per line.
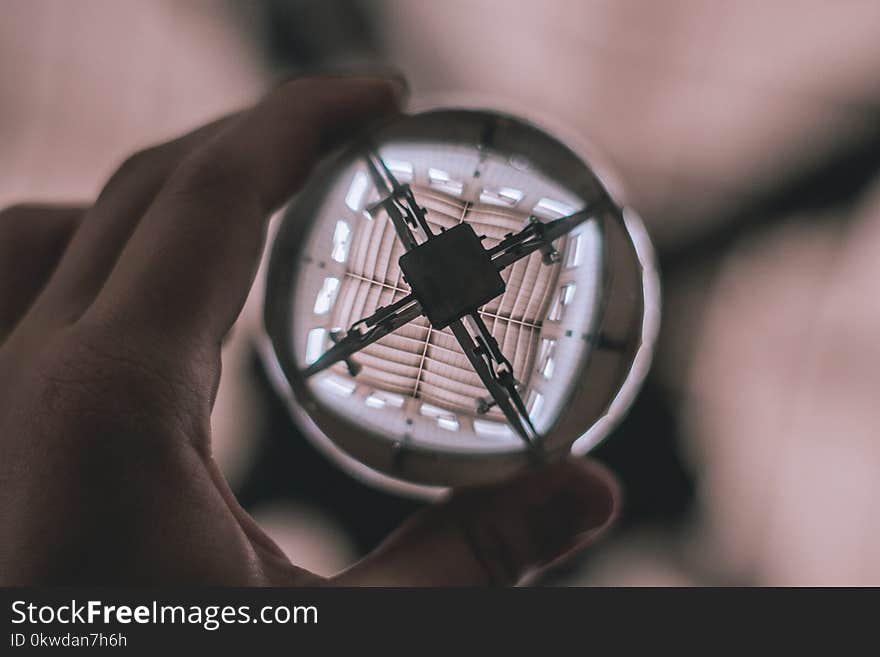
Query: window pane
x,y
546,363
551,209
358,191
440,180
502,196
563,297
403,171
326,296
338,385
315,343
573,251
491,429
341,241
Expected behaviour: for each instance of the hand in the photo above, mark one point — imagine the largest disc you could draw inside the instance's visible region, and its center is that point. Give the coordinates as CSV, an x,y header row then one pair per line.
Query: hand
x,y
111,321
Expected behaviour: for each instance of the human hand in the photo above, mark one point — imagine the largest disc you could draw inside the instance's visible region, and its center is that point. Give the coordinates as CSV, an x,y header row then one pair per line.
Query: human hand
x,y
111,323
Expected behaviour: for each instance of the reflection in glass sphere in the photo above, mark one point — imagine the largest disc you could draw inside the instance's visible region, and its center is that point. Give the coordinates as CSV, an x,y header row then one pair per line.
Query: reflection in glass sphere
x,y
457,297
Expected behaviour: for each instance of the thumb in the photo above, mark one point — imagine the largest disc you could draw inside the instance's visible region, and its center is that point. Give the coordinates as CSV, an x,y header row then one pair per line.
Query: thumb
x,y
495,535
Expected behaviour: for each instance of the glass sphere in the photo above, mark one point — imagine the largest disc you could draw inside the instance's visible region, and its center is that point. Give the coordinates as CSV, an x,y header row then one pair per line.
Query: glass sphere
x,y
455,297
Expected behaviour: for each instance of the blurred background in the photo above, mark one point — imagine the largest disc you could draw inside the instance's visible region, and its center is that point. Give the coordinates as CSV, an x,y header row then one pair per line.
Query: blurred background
x,y
745,133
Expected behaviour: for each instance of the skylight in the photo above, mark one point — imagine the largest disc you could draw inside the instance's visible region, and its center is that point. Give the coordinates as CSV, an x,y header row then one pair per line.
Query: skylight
x,y
374,402
546,363
573,251
492,429
315,341
552,209
403,171
563,297
432,411
445,419
341,241
381,399
448,423
338,385
439,179
536,403
354,199
326,295
502,196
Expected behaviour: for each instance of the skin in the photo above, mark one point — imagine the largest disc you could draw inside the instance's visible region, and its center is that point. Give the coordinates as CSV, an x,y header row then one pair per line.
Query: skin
x,y
111,322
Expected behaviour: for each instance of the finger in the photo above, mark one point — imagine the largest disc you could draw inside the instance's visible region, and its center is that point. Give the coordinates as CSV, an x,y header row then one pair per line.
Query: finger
x,y
32,240
498,534
188,267
110,222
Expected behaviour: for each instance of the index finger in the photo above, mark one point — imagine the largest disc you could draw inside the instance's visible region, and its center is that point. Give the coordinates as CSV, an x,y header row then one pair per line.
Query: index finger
x,y
187,268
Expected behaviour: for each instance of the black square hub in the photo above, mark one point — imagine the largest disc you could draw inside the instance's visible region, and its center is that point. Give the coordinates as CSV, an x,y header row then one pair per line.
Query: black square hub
x,y
451,275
